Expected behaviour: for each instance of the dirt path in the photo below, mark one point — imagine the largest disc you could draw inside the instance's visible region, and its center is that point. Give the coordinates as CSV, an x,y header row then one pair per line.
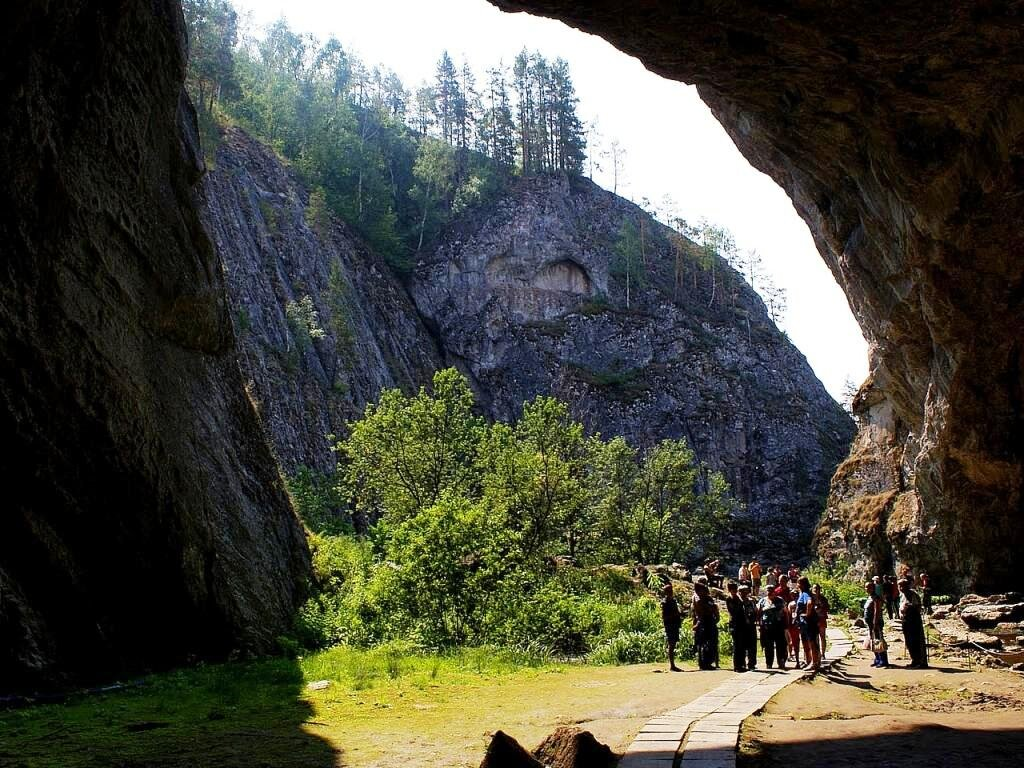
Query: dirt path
x,y
858,716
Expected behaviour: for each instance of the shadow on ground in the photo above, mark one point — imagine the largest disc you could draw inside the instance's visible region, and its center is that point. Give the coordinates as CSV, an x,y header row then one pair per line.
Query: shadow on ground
x,y
246,714
906,745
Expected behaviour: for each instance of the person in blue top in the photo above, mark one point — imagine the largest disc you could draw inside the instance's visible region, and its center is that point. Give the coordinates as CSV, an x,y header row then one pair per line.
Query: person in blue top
x,y
807,617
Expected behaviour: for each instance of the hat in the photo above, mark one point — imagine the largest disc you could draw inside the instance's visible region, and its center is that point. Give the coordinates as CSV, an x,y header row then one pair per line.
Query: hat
x,y
744,587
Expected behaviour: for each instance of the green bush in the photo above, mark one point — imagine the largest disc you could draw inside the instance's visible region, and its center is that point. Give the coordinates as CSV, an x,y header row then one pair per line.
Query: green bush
x,y
842,595
630,648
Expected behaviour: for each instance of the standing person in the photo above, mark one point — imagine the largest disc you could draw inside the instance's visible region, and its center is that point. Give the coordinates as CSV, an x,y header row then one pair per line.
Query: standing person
x,y
672,620
821,605
913,626
891,593
873,610
743,577
737,627
770,611
926,591
755,578
750,637
771,581
794,572
793,633
808,623
705,627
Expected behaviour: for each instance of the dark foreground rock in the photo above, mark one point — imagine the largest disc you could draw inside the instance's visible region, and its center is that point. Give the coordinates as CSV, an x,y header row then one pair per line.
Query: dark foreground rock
x,y
506,752
574,748
144,521
565,748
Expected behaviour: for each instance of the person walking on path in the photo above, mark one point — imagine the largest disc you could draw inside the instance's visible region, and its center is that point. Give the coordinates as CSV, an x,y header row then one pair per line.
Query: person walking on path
x,y
705,627
822,607
770,611
808,623
737,627
913,626
750,636
755,578
672,620
873,610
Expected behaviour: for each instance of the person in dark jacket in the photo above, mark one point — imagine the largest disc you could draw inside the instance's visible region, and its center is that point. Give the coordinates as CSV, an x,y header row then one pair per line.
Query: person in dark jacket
x,y
705,627
673,621
750,638
737,627
913,626
771,615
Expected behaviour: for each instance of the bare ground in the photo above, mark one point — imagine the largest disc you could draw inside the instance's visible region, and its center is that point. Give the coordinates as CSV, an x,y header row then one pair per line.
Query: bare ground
x,y
855,715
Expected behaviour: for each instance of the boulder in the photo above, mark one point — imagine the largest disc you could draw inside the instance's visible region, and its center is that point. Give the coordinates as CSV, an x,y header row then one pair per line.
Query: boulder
x,y
506,752
988,615
574,748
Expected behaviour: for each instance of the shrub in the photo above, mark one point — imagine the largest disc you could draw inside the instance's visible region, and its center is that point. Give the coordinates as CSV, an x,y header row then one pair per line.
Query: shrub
x,y
630,648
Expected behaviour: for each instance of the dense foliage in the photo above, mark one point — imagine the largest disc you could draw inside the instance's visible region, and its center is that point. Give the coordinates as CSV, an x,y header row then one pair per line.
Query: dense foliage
x,y
497,533
393,164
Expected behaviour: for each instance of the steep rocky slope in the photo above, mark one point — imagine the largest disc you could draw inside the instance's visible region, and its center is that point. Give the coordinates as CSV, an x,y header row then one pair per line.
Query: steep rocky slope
x,y
528,297
143,519
522,297
306,386
898,130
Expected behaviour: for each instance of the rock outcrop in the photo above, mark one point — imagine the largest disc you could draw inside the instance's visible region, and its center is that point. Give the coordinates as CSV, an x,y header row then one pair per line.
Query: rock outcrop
x,y
528,297
144,520
898,132
367,336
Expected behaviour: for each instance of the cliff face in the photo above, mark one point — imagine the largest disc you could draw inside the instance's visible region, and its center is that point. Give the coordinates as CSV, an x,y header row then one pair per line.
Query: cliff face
x,y
144,520
528,297
522,295
898,131
308,374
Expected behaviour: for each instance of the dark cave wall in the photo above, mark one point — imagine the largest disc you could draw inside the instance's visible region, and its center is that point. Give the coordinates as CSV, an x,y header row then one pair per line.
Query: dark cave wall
x,y
897,129
144,520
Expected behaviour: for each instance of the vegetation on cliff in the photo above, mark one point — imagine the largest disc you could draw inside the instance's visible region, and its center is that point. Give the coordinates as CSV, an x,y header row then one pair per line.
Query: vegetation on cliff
x,y
392,163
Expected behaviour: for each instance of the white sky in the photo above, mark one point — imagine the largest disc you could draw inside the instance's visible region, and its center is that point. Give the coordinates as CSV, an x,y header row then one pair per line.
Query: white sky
x,y
673,144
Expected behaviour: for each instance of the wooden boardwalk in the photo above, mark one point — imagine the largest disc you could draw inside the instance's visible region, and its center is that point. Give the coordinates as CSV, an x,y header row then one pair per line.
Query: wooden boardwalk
x,y
704,733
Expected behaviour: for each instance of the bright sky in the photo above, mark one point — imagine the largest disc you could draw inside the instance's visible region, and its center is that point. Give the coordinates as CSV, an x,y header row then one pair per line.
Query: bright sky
x,y
674,146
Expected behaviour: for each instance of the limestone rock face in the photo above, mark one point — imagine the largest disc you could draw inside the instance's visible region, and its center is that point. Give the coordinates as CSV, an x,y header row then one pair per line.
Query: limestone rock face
x,y
528,298
306,386
143,519
898,132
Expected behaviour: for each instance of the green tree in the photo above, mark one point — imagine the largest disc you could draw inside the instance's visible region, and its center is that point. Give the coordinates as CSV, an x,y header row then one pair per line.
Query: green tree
x,y
435,173
627,262
406,451
213,33
534,474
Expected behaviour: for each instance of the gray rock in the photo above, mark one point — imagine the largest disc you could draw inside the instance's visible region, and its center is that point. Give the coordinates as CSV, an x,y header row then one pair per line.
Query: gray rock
x,y
989,615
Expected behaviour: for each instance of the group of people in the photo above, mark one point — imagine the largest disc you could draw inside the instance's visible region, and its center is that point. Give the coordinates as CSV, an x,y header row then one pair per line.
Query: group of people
x,y
784,619
908,605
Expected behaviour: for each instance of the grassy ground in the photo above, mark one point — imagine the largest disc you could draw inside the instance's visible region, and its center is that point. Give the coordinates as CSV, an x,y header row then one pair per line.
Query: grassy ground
x,y
383,707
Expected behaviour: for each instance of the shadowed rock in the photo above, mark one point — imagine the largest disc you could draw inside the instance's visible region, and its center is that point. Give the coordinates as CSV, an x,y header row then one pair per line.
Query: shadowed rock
x,y
897,130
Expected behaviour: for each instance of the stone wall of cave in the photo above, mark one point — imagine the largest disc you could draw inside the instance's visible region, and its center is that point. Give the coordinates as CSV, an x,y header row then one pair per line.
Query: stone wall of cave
x,y
898,131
